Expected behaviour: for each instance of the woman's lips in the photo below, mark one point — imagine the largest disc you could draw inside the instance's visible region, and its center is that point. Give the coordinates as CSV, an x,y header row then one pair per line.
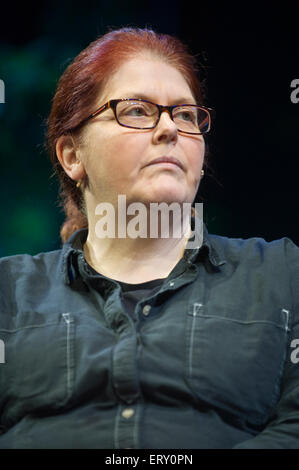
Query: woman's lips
x,y
171,160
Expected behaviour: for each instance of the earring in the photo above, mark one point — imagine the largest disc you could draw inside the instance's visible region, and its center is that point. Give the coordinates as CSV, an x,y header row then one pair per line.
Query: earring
x,y
78,184
202,172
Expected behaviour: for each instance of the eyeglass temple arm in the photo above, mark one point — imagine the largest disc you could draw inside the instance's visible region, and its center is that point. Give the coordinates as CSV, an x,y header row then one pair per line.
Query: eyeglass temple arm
x,y
98,111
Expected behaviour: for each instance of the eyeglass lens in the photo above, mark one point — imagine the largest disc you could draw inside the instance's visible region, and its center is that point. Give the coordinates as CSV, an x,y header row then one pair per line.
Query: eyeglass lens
x,y
143,115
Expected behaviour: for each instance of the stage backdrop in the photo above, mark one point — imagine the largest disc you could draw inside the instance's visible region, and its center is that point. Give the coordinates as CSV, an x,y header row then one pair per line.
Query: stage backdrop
x,y
250,61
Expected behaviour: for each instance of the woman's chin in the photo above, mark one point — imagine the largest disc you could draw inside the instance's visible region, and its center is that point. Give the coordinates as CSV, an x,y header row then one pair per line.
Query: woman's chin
x,y
165,189
165,195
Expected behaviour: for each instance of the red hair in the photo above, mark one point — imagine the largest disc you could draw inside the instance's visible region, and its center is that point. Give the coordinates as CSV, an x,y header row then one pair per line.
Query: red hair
x,y
80,85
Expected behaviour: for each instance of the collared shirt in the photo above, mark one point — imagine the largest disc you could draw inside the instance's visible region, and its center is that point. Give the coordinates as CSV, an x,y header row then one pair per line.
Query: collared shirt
x,y
132,293
208,359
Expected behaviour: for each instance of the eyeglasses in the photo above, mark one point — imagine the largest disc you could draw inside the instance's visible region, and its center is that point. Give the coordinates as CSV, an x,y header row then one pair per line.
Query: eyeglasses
x,y
143,114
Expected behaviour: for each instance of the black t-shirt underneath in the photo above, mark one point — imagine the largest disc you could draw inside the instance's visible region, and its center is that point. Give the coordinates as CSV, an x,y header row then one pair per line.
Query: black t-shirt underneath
x,y
132,293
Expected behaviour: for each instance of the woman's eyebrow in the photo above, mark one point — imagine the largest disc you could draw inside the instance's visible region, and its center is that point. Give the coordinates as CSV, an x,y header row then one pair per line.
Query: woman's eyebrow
x,y
143,96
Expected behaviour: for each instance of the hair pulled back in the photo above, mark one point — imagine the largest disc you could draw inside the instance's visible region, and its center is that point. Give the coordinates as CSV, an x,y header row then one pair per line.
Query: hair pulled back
x,y
83,80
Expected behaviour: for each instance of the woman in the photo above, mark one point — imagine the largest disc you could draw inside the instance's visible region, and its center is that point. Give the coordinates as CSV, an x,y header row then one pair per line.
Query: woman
x,y
125,342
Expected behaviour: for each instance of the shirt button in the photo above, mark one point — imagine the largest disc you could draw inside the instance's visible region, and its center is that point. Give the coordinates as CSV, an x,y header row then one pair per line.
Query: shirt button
x,y
128,413
146,309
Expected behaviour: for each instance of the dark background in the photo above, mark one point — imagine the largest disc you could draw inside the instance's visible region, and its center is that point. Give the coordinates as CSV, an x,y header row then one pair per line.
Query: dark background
x,y
249,54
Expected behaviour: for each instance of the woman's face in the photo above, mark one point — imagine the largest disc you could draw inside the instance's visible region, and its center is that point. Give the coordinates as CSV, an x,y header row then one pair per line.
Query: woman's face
x,y
116,158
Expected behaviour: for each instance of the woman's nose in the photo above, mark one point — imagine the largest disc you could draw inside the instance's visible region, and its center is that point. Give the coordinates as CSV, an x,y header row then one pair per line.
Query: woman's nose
x,y
166,129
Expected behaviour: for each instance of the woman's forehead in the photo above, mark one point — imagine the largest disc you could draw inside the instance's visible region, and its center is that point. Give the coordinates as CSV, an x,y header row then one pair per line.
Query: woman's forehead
x,y
147,78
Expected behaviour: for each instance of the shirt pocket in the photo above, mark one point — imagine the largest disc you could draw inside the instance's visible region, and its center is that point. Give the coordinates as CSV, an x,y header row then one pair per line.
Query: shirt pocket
x,y
38,373
235,366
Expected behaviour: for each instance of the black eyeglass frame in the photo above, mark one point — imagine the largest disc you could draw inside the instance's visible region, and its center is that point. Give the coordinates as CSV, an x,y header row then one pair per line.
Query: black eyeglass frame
x,y
111,104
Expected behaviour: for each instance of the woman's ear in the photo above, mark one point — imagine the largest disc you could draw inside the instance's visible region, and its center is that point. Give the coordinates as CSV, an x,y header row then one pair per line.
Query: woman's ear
x,y
67,154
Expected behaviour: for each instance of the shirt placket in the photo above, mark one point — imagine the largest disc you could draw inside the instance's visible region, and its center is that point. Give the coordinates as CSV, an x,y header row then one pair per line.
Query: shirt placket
x,y
124,372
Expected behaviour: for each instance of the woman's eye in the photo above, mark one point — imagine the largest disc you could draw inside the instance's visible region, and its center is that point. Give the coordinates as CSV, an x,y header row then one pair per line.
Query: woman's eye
x,y
136,111
186,116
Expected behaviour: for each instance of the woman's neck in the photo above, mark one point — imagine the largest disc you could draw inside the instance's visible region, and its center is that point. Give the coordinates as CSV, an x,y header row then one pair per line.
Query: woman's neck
x,y
134,260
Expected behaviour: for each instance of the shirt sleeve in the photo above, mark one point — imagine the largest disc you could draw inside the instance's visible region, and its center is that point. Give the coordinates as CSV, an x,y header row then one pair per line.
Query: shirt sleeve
x,y
282,430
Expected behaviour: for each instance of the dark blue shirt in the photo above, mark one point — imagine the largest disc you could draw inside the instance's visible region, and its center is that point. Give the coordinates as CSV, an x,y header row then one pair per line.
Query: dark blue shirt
x,y
206,358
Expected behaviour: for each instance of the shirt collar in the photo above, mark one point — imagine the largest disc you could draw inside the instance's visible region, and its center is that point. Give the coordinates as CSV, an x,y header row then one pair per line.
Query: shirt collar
x,y
73,248
208,249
